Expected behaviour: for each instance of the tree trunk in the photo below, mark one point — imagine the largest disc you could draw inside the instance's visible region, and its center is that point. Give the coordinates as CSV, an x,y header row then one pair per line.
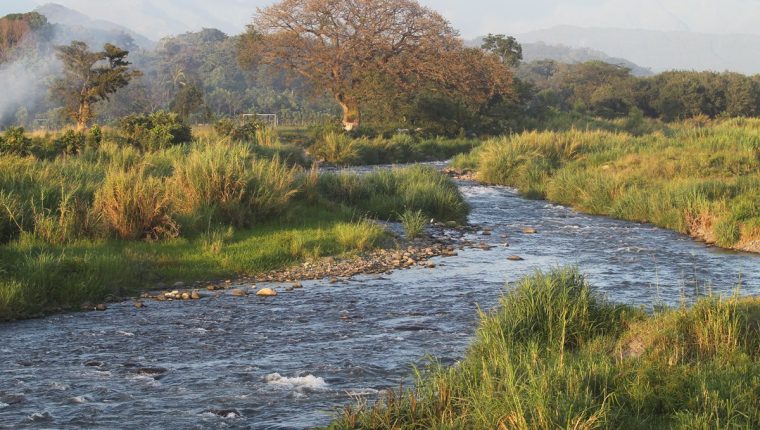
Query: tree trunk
x,y
83,117
351,113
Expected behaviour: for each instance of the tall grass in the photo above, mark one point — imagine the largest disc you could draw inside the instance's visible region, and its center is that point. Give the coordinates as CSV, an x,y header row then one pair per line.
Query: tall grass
x,y
72,228
414,223
554,355
387,193
702,181
228,184
136,205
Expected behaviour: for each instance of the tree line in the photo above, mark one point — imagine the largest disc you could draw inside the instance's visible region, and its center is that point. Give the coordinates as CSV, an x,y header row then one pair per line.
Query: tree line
x,y
379,63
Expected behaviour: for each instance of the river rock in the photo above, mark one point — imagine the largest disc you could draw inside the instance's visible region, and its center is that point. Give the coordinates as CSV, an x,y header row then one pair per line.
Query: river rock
x,y
515,258
239,293
266,292
224,413
178,285
195,295
139,305
297,285
529,230
101,307
185,296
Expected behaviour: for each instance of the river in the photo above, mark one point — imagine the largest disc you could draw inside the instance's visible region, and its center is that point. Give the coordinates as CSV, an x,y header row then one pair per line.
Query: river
x,y
292,361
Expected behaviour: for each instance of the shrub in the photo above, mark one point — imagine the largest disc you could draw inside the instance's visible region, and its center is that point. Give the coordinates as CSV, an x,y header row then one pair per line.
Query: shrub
x,y
414,223
335,148
136,205
14,141
155,131
71,142
226,183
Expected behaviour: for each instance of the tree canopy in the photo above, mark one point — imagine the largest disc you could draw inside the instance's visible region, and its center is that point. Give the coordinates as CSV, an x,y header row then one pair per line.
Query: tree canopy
x,y
90,77
352,48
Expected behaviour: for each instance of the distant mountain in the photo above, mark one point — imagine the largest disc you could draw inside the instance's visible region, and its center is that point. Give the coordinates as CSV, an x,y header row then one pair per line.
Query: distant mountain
x,y
77,23
661,50
565,54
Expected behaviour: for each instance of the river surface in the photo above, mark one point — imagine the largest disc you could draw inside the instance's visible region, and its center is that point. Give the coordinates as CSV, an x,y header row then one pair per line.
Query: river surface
x,y
292,361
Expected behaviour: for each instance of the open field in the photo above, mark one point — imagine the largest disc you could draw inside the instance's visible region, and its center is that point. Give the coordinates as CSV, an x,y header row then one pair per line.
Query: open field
x,y
698,180
553,355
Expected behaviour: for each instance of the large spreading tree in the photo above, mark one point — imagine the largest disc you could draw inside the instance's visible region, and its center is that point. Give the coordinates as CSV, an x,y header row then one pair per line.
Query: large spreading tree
x,y
90,77
350,48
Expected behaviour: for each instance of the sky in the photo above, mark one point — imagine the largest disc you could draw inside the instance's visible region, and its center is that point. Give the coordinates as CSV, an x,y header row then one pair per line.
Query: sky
x,y
473,18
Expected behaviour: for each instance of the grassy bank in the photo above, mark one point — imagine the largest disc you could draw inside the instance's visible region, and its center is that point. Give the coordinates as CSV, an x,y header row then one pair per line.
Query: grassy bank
x,y
698,180
553,355
114,220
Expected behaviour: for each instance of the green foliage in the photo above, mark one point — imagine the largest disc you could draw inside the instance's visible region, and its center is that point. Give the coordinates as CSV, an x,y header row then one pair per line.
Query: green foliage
x,y
71,142
414,223
14,141
156,131
136,205
387,193
335,148
603,366
701,181
229,185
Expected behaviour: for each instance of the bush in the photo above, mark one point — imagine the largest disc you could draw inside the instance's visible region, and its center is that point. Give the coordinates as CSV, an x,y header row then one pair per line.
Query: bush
x,y
71,142
387,193
227,184
136,205
336,148
156,131
14,141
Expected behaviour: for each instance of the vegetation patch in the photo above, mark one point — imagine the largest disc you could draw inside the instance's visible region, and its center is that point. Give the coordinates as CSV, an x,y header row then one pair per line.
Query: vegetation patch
x,y
698,180
554,355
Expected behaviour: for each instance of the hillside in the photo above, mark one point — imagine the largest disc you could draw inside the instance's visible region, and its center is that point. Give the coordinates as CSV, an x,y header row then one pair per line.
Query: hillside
x,y
75,25
661,50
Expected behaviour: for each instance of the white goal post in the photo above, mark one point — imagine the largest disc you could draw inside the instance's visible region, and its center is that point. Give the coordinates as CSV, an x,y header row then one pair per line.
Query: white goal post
x,y
269,118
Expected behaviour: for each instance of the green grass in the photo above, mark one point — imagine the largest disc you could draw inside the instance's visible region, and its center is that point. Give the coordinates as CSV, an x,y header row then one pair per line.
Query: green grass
x,y
112,220
554,355
414,223
36,277
703,181
343,150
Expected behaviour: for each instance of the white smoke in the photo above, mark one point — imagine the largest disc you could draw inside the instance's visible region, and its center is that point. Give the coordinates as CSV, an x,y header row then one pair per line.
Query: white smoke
x,y
24,85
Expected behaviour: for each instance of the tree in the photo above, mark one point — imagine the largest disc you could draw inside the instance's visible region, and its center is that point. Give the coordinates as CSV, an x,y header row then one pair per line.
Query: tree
x,y
90,77
345,46
507,48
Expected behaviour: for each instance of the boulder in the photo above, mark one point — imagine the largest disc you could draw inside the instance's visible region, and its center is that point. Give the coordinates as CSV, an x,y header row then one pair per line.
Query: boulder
x,y
266,292
239,293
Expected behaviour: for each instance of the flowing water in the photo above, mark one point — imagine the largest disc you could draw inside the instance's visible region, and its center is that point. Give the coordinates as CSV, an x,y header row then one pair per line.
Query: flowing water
x,y
292,361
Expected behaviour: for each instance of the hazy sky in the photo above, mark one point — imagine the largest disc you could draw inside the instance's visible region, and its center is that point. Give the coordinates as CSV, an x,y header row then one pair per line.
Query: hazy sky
x,y
473,17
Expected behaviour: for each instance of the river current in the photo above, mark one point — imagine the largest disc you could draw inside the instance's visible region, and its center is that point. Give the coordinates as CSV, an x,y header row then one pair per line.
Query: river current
x,y
293,361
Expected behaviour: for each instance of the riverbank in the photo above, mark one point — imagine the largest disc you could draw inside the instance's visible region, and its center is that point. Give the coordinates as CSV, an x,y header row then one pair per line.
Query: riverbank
x,y
605,366
112,222
700,181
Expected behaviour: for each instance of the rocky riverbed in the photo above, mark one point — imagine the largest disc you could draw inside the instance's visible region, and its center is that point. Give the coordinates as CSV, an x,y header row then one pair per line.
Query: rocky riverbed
x,y
397,253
